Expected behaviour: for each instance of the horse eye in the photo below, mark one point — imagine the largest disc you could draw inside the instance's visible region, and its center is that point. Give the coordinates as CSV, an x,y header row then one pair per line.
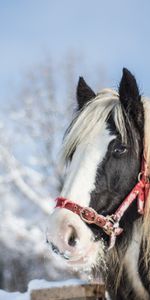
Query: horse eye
x,y
120,149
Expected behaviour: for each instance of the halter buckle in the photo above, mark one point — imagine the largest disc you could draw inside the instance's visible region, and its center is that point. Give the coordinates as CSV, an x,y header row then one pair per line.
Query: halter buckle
x,y
86,213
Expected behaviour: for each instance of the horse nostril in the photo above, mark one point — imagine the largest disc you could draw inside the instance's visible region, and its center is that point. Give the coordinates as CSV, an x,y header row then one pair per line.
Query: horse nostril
x,y
72,240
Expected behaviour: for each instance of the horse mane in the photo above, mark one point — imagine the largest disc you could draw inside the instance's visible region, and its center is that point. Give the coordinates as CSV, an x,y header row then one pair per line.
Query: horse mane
x,y
91,119
146,221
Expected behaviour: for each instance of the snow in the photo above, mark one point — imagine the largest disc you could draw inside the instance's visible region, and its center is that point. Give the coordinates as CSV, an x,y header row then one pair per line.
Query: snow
x,y
14,296
38,284
26,205
31,129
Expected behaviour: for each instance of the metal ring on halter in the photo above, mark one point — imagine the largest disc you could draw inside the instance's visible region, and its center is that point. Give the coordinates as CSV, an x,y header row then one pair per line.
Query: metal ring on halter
x,y
110,230
87,210
111,219
146,178
140,175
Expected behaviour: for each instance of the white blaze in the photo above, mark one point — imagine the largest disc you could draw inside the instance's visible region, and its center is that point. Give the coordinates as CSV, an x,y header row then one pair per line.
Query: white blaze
x,y
80,179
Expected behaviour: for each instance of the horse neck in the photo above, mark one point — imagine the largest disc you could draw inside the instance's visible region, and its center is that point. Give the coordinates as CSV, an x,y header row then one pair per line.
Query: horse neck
x,y
123,260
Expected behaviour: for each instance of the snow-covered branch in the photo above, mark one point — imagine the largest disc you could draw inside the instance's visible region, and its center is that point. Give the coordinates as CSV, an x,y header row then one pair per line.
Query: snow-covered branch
x,y
16,172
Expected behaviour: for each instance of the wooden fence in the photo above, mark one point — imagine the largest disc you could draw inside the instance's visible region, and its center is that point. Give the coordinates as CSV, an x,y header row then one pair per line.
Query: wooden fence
x,y
75,292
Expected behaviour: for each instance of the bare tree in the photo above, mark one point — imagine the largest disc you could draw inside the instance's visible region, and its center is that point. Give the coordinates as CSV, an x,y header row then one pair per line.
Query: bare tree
x,y
30,175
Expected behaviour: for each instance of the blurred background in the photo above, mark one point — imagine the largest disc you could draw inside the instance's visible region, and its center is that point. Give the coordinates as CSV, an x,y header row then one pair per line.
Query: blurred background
x,y
44,46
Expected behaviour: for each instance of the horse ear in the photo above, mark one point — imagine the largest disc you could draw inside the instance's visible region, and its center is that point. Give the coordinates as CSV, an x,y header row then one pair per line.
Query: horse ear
x,y
84,93
128,90
130,98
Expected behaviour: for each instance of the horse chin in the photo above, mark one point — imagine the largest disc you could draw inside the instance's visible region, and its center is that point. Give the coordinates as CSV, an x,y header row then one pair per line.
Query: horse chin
x,y
82,260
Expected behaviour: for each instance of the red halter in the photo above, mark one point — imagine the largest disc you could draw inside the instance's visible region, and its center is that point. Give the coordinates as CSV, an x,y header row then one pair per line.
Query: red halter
x,y
110,224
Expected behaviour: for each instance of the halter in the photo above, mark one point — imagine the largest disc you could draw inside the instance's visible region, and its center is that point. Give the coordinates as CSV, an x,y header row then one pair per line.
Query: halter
x,y
110,223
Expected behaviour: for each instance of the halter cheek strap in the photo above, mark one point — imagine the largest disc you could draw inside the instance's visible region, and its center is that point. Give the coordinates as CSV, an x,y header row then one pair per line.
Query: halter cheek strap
x,y
110,223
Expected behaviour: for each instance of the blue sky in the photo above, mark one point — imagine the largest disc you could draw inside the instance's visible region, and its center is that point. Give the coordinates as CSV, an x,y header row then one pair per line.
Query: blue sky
x,y
111,33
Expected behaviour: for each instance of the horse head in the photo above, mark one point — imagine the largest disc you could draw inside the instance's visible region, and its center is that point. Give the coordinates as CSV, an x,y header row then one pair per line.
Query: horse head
x,y
103,152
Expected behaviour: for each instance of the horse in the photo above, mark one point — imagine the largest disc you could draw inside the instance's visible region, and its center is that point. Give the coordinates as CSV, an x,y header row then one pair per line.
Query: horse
x,y
101,222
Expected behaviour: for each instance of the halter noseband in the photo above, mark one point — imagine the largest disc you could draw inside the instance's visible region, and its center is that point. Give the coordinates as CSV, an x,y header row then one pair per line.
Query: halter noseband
x,y
110,223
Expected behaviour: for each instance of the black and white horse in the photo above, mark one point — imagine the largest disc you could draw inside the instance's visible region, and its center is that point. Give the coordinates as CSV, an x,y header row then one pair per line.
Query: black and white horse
x,y
104,150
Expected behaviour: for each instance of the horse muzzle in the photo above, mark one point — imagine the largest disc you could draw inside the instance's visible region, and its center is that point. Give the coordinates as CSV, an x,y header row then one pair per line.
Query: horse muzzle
x,y
70,239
